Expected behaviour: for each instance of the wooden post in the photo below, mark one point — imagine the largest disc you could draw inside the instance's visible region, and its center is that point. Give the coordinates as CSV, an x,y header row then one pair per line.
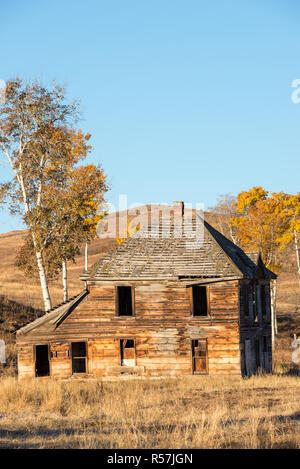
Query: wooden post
x,y
86,257
273,311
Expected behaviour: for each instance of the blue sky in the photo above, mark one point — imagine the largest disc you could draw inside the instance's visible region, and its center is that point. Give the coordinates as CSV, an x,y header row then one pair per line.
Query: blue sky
x,y
185,100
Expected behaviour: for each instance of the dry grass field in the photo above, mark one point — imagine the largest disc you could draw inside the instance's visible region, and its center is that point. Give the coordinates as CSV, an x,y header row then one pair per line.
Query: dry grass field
x,y
190,412
186,412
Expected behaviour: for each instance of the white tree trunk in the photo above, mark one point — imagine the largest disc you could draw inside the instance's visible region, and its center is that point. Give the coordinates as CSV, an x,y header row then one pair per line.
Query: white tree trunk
x,y
38,254
273,311
42,275
297,254
43,280
65,280
86,257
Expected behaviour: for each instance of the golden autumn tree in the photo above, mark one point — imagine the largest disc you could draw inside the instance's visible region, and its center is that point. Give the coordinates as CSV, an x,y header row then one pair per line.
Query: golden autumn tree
x,y
67,219
42,147
292,233
261,221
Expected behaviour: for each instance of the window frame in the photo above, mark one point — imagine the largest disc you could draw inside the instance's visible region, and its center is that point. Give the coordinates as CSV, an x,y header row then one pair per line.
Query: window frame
x,y
132,301
263,300
85,357
245,293
191,298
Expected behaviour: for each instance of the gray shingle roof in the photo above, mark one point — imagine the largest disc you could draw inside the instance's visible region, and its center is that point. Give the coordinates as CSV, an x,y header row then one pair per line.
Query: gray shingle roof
x,y
144,256
55,315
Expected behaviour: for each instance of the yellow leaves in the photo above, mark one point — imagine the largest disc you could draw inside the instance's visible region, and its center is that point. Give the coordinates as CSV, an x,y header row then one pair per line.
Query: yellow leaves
x,y
265,222
246,199
79,147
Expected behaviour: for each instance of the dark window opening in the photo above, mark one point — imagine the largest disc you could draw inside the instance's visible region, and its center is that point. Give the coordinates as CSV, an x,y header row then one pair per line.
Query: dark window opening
x,y
265,340
245,299
200,304
78,357
124,301
254,301
127,349
42,366
263,298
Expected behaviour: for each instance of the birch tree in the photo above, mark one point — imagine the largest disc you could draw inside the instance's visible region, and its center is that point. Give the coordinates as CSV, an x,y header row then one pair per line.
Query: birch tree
x,y
291,235
74,211
261,221
37,141
67,220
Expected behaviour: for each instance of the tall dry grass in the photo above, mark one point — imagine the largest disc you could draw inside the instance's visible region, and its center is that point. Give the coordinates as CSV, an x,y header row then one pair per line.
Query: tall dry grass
x,y
188,412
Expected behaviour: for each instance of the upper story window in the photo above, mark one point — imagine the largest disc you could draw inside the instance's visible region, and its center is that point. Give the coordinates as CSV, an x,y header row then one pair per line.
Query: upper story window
x,y
263,298
254,297
249,300
245,298
199,300
124,301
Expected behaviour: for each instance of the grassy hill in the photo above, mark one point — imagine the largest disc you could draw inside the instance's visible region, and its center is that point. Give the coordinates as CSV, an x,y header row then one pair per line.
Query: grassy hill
x,y
14,284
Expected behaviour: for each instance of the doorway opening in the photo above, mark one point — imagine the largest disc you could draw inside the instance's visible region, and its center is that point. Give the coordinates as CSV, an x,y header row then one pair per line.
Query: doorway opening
x,y
127,349
199,356
42,365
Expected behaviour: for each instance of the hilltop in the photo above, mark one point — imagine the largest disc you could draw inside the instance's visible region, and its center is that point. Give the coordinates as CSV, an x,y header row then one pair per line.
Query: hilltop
x,y
16,287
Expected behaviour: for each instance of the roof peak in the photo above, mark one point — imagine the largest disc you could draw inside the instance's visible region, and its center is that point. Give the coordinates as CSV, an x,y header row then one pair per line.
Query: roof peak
x,y
165,250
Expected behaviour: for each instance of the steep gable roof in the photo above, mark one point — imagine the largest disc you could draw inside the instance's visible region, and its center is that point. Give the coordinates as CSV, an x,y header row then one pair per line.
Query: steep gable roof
x,y
154,253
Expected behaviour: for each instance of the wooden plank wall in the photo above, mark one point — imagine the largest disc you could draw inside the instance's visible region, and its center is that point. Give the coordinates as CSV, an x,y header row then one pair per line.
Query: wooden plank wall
x,y
162,328
255,329
26,364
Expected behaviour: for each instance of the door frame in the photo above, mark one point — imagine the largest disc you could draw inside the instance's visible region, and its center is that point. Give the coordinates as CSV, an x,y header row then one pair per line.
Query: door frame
x,y
49,359
206,357
121,339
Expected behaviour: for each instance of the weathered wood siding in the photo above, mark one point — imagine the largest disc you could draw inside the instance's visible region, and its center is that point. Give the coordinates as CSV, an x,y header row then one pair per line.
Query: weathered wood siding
x,y
60,362
255,327
162,328
26,364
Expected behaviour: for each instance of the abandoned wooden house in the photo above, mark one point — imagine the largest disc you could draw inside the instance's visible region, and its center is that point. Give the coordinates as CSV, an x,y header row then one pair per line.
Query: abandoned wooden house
x,y
155,306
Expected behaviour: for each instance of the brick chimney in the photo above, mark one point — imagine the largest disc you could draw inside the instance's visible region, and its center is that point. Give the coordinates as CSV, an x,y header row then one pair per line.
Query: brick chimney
x,y
178,208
